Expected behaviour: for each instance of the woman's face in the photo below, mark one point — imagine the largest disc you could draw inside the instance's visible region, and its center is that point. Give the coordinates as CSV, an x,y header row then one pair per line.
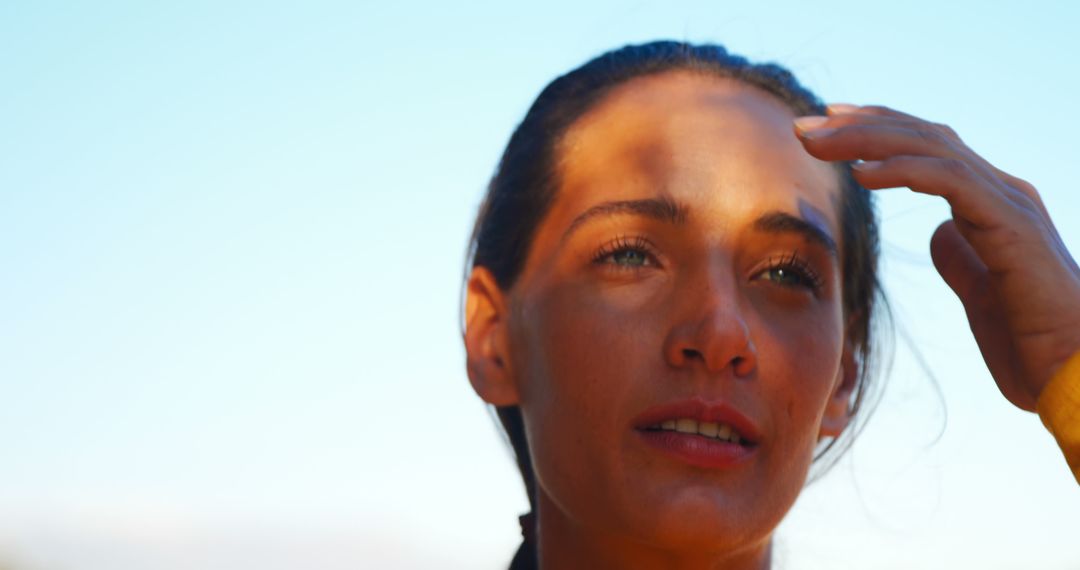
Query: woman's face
x,y
684,286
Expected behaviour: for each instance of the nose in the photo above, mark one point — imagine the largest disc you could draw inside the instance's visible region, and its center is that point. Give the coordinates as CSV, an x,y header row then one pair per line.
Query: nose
x,y
711,332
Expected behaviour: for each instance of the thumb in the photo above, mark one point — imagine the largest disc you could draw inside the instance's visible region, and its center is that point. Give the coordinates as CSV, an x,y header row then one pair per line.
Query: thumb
x,y
957,262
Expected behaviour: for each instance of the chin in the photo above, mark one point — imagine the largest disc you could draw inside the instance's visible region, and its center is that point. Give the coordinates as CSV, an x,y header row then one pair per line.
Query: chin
x,y
707,529
699,523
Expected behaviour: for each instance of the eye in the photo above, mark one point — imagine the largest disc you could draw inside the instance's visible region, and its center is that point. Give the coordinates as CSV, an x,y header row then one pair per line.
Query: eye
x,y
785,276
630,257
791,271
626,253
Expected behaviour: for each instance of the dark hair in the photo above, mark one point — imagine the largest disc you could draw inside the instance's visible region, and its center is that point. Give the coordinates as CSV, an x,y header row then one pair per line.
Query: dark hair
x,y
526,182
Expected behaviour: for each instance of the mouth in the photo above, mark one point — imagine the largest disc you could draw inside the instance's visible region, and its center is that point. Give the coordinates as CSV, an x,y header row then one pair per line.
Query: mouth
x,y
703,434
711,430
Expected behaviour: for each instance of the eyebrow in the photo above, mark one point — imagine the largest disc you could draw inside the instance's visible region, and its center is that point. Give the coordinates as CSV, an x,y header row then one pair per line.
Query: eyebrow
x,y
784,223
666,209
662,208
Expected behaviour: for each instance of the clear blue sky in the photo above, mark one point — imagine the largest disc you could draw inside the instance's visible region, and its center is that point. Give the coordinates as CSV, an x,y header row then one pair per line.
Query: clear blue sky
x,y
232,236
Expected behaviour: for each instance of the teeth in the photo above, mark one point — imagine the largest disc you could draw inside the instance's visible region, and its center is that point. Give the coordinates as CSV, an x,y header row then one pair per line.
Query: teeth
x,y
684,425
722,432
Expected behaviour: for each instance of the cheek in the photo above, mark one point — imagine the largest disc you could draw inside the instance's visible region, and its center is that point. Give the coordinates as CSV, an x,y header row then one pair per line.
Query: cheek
x,y
580,356
582,347
799,360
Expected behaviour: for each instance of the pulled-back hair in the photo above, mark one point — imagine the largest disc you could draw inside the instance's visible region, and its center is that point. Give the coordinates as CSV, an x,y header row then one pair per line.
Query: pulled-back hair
x,y
526,182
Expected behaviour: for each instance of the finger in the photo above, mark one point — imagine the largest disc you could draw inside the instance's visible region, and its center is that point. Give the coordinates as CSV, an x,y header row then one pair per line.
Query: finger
x,y
873,133
964,272
957,262
1024,187
879,110
843,114
872,141
970,195
886,114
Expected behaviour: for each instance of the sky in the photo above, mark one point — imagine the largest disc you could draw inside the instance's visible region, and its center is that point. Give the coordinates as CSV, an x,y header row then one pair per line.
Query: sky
x,y
232,238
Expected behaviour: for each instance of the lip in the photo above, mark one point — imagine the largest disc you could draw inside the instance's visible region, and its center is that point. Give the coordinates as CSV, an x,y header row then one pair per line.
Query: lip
x,y
694,449
702,411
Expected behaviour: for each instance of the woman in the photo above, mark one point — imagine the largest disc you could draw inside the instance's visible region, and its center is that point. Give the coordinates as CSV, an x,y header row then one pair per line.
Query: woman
x,y
673,296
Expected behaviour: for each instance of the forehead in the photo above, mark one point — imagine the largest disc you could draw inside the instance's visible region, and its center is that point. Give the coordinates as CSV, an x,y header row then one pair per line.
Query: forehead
x,y
713,142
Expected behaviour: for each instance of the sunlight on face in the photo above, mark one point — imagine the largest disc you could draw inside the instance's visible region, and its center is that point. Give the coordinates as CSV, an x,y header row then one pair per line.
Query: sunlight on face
x,y
688,269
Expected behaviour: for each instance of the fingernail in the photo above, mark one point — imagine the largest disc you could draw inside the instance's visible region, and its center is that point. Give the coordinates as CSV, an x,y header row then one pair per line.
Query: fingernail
x,y
809,127
841,108
810,123
816,133
867,165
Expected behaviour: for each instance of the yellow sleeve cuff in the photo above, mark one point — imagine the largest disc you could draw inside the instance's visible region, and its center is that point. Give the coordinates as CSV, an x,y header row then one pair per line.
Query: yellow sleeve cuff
x,y
1059,409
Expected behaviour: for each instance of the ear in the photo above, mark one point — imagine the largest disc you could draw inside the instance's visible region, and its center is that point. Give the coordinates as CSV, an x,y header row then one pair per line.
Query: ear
x,y
838,409
487,340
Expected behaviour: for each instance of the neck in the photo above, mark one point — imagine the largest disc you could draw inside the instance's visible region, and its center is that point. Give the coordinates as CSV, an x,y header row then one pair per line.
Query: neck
x,y
562,543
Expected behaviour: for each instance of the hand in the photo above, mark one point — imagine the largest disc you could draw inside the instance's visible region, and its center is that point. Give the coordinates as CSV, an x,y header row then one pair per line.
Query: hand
x,y
1000,253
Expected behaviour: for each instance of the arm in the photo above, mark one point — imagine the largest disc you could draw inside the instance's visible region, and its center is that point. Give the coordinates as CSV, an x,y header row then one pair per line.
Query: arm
x,y
1000,253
